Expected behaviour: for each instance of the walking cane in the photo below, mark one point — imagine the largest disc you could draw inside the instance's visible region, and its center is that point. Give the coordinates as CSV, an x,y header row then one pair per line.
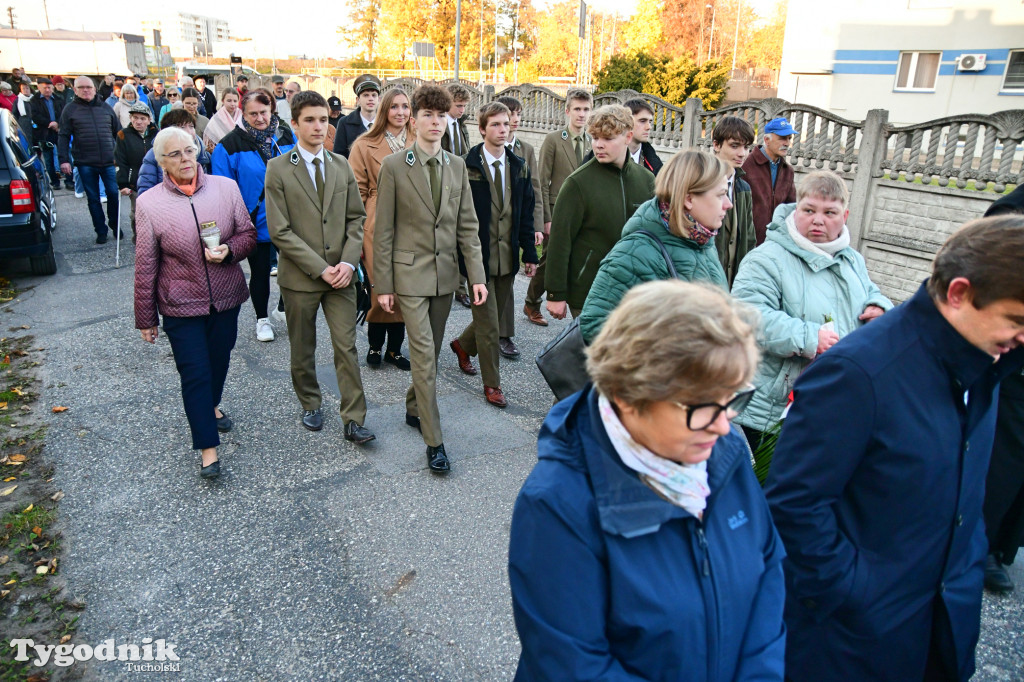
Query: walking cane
x,y
117,236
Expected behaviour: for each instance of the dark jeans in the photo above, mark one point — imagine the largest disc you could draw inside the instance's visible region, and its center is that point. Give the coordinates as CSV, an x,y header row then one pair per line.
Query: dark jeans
x,y
202,351
394,331
92,176
50,162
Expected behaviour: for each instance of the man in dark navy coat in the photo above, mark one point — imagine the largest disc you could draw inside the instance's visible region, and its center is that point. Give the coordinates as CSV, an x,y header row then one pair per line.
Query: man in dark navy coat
x,y
367,89
879,473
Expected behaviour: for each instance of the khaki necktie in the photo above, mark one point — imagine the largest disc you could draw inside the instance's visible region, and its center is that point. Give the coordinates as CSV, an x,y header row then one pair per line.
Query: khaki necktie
x,y
578,144
499,185
435,183
456,141
319,180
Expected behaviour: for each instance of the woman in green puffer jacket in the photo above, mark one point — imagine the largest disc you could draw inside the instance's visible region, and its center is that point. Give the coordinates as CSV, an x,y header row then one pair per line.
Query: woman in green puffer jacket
x,y
810,286
690,201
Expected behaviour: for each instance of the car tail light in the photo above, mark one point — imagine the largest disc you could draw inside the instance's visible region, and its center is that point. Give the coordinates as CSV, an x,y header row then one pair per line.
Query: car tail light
x,y
22,200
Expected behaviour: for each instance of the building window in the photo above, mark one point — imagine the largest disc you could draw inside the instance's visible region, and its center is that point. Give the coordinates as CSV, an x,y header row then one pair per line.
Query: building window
x,y
1014,77
917,71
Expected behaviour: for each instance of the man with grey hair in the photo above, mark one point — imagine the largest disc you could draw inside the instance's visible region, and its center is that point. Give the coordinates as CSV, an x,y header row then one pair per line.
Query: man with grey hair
x,y
92,126
770,177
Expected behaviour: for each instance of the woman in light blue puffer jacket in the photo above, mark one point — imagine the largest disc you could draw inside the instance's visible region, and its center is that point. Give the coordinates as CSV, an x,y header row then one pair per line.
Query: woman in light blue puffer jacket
x,y
810,286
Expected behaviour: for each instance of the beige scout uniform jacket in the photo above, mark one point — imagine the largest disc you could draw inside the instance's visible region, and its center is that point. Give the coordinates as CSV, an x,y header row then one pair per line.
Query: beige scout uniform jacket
x,y
310,238
557,162
415,252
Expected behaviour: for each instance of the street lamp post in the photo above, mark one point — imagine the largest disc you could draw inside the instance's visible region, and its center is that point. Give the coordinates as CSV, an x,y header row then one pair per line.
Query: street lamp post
x,y
458,34
711,39
736,38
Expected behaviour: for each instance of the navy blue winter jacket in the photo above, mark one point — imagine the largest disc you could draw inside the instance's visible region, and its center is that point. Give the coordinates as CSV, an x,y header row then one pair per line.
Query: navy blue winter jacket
x,y
876,486
610,582
151,174
93,126
239,158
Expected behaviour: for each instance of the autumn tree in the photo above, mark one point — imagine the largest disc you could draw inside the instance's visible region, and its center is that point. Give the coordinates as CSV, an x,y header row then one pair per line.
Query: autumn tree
x,y
363,28
673,80
557,40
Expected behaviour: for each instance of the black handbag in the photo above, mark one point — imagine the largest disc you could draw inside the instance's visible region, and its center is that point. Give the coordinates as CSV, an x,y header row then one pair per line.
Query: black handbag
x,y
563,361
362,293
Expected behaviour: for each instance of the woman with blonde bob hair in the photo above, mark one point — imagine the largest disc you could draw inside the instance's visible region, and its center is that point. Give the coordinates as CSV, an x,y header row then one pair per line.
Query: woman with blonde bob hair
x,y
691,198
641,545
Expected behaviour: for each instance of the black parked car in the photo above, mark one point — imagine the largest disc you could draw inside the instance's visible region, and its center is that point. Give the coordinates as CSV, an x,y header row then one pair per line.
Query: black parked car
x,y
27,206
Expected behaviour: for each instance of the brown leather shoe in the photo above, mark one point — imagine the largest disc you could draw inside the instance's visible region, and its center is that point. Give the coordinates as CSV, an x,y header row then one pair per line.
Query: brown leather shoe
x,y
465,364
495,396
463,299
533,315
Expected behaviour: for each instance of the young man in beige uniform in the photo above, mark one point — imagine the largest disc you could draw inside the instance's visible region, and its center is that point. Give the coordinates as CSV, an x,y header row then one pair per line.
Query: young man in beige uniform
x,y
315,218
425,218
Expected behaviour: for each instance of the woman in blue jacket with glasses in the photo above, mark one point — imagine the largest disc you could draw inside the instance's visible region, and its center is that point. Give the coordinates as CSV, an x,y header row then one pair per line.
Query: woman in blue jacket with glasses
x,y
641,544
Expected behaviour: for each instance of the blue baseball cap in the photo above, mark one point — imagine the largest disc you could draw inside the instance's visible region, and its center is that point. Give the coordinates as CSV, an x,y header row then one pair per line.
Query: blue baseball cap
x,y
780,126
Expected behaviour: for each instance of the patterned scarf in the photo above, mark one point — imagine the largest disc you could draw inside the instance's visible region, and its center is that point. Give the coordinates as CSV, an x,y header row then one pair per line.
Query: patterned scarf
x,y
698,232
264,139
684,485
397,144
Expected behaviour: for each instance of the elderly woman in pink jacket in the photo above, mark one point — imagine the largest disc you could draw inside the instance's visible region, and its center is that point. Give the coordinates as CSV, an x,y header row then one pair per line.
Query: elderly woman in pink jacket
x,y
193,231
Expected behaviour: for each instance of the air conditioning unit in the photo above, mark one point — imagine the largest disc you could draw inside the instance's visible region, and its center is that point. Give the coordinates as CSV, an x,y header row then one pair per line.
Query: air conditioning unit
x,y
971,62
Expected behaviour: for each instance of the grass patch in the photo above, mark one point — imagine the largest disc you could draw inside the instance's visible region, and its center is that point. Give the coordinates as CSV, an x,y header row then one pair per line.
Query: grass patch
x,y
33,600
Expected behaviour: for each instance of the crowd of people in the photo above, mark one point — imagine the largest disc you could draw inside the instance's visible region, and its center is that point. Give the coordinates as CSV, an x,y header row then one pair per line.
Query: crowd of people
x,y
707,289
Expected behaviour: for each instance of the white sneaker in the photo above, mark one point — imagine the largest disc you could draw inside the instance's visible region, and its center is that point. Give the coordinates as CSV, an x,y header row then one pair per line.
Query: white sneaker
x,y
103,200
264,330
273,271
79,195
278,315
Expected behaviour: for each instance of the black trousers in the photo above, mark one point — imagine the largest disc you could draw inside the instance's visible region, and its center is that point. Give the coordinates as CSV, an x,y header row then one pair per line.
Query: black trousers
x,y
1004,487
394,331
259,278
202,351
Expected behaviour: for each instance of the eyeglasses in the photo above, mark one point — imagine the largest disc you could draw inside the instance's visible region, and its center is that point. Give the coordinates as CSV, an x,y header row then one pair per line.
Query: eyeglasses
x,y
700,417
188,152
171,95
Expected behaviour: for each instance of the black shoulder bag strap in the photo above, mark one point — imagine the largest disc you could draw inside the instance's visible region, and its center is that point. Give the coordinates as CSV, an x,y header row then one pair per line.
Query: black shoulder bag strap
x,y
664,253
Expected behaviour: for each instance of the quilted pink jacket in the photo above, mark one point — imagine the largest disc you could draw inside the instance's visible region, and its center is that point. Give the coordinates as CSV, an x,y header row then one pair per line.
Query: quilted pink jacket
x,y
170,277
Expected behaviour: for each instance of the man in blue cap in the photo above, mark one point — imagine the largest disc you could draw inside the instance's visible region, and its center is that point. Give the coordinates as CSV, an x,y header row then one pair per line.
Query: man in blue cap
x,y
769,175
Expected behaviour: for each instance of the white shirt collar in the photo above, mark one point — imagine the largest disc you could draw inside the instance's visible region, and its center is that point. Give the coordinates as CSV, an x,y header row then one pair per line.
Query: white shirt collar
x,y
307,157
366,123
491,159
636,157
732,183
451,120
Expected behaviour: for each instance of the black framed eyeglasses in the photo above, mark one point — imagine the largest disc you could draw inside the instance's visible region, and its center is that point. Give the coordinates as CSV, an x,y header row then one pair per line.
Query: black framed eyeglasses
x,y
699,417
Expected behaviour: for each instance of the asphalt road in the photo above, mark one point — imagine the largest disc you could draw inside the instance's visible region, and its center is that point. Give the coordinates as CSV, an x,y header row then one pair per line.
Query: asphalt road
x,y
310,558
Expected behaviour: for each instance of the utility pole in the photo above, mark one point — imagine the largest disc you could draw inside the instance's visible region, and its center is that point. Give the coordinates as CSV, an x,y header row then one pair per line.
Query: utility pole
x,y
736,38
458,34
47,14
480,64
10,16
495,42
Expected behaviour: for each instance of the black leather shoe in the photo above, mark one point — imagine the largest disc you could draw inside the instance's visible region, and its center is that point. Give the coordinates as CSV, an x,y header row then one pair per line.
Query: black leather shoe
x,y
412,421
463,299
508,348
210,470
373,358
224,424
312,419
996,577
397,360
101,239
437,459
358,434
